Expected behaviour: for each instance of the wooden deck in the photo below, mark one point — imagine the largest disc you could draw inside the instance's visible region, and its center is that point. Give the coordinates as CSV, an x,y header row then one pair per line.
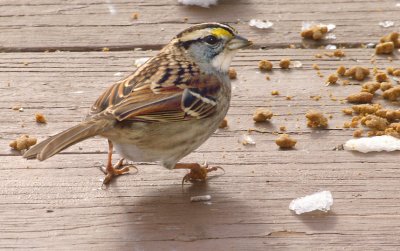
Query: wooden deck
x,y
59,203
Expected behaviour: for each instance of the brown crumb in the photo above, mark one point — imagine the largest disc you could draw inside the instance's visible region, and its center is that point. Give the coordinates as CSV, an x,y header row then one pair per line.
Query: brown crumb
x,y
23,142
262,114
284,63
40,118
392,94
315,32
316,119
318,55
390,70
360,98
384,48
345,82
292,46
396,73
265,65
338,53
381,77
282,128
332,79
374,122
392,37
315,66
289,97
341,70
106,49
223,124
366,108
347,111
385,86
316,97
285,141
267,77
358,133
357,72
274,92
390,115
232,73
134,16
370,87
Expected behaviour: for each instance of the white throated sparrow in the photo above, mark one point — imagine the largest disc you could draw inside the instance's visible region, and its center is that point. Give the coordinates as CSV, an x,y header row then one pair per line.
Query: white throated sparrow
x,y
164,110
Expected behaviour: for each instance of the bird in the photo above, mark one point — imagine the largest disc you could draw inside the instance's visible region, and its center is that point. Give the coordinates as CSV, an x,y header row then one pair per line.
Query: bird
x,y
165,109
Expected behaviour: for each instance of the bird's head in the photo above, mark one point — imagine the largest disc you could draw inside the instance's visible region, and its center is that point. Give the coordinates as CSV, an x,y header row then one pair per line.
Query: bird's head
x,y
211,44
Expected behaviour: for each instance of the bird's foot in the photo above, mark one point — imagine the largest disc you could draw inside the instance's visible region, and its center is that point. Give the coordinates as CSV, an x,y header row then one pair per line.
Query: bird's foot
x,y
197,172
118,169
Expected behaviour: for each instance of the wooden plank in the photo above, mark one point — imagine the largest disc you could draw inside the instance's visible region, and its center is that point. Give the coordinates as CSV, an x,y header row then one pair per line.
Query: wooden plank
x,y
59,203
43,25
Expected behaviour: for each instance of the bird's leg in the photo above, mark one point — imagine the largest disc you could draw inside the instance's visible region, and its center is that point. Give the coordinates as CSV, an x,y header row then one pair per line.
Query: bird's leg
x,y
197,172
115,170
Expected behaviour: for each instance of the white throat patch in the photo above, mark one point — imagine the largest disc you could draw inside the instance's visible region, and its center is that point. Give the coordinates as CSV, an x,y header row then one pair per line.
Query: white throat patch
x,y
223,60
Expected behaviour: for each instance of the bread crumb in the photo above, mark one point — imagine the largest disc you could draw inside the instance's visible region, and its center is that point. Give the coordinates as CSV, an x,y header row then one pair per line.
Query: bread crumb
x,y
265,65
134,16
384,48
360,98
289,97
232,73
23,142
392,37
358,133
284,63
392,94
267,77
282,128
315,66
274,92
338,53
40,118
106,49
332,79
262,114
381,77
341,70
285,141
357,72
316,119
347,111
374,122
318,55
316,97
396,73
385,86
366,108
315,32
223,124
390,70
370,87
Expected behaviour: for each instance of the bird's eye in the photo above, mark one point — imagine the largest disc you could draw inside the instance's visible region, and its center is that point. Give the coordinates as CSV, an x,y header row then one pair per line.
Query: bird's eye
x,y
211,39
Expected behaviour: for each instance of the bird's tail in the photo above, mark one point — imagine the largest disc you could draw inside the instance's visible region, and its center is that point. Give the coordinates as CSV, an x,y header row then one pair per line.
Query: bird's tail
x,y
59,142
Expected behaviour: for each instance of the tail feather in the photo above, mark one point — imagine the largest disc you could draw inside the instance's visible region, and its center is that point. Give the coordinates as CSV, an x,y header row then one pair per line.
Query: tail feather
x,y
59,142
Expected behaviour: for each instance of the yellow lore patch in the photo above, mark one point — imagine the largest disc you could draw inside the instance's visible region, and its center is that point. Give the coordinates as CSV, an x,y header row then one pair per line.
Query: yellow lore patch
x,y
220,32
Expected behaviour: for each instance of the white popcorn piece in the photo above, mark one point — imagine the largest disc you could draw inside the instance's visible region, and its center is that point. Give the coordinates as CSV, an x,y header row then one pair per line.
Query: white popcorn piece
x,y
321,201
260,24
373,144
246,139
201,3
200,198
386,24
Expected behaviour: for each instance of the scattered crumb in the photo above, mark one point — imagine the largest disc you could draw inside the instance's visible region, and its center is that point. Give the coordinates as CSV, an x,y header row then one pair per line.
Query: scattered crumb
x,y
134,16
338,53
40,118
390,70
224,123
316,97
265,65
316,119
267,77
381,77
374,122
105,49
284,63
392,94
396,73
289,97
370,87
360,98
232,73
357,72
285,141
292,46
384,48
332,79
392,37
282,128
366,108
358,133
262,114
385,86
341,70
275,92
315,32
347,111
23,142
315,66
318,55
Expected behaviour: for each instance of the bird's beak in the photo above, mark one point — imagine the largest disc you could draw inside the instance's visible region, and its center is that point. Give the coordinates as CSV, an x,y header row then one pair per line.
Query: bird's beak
x,y
238,42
